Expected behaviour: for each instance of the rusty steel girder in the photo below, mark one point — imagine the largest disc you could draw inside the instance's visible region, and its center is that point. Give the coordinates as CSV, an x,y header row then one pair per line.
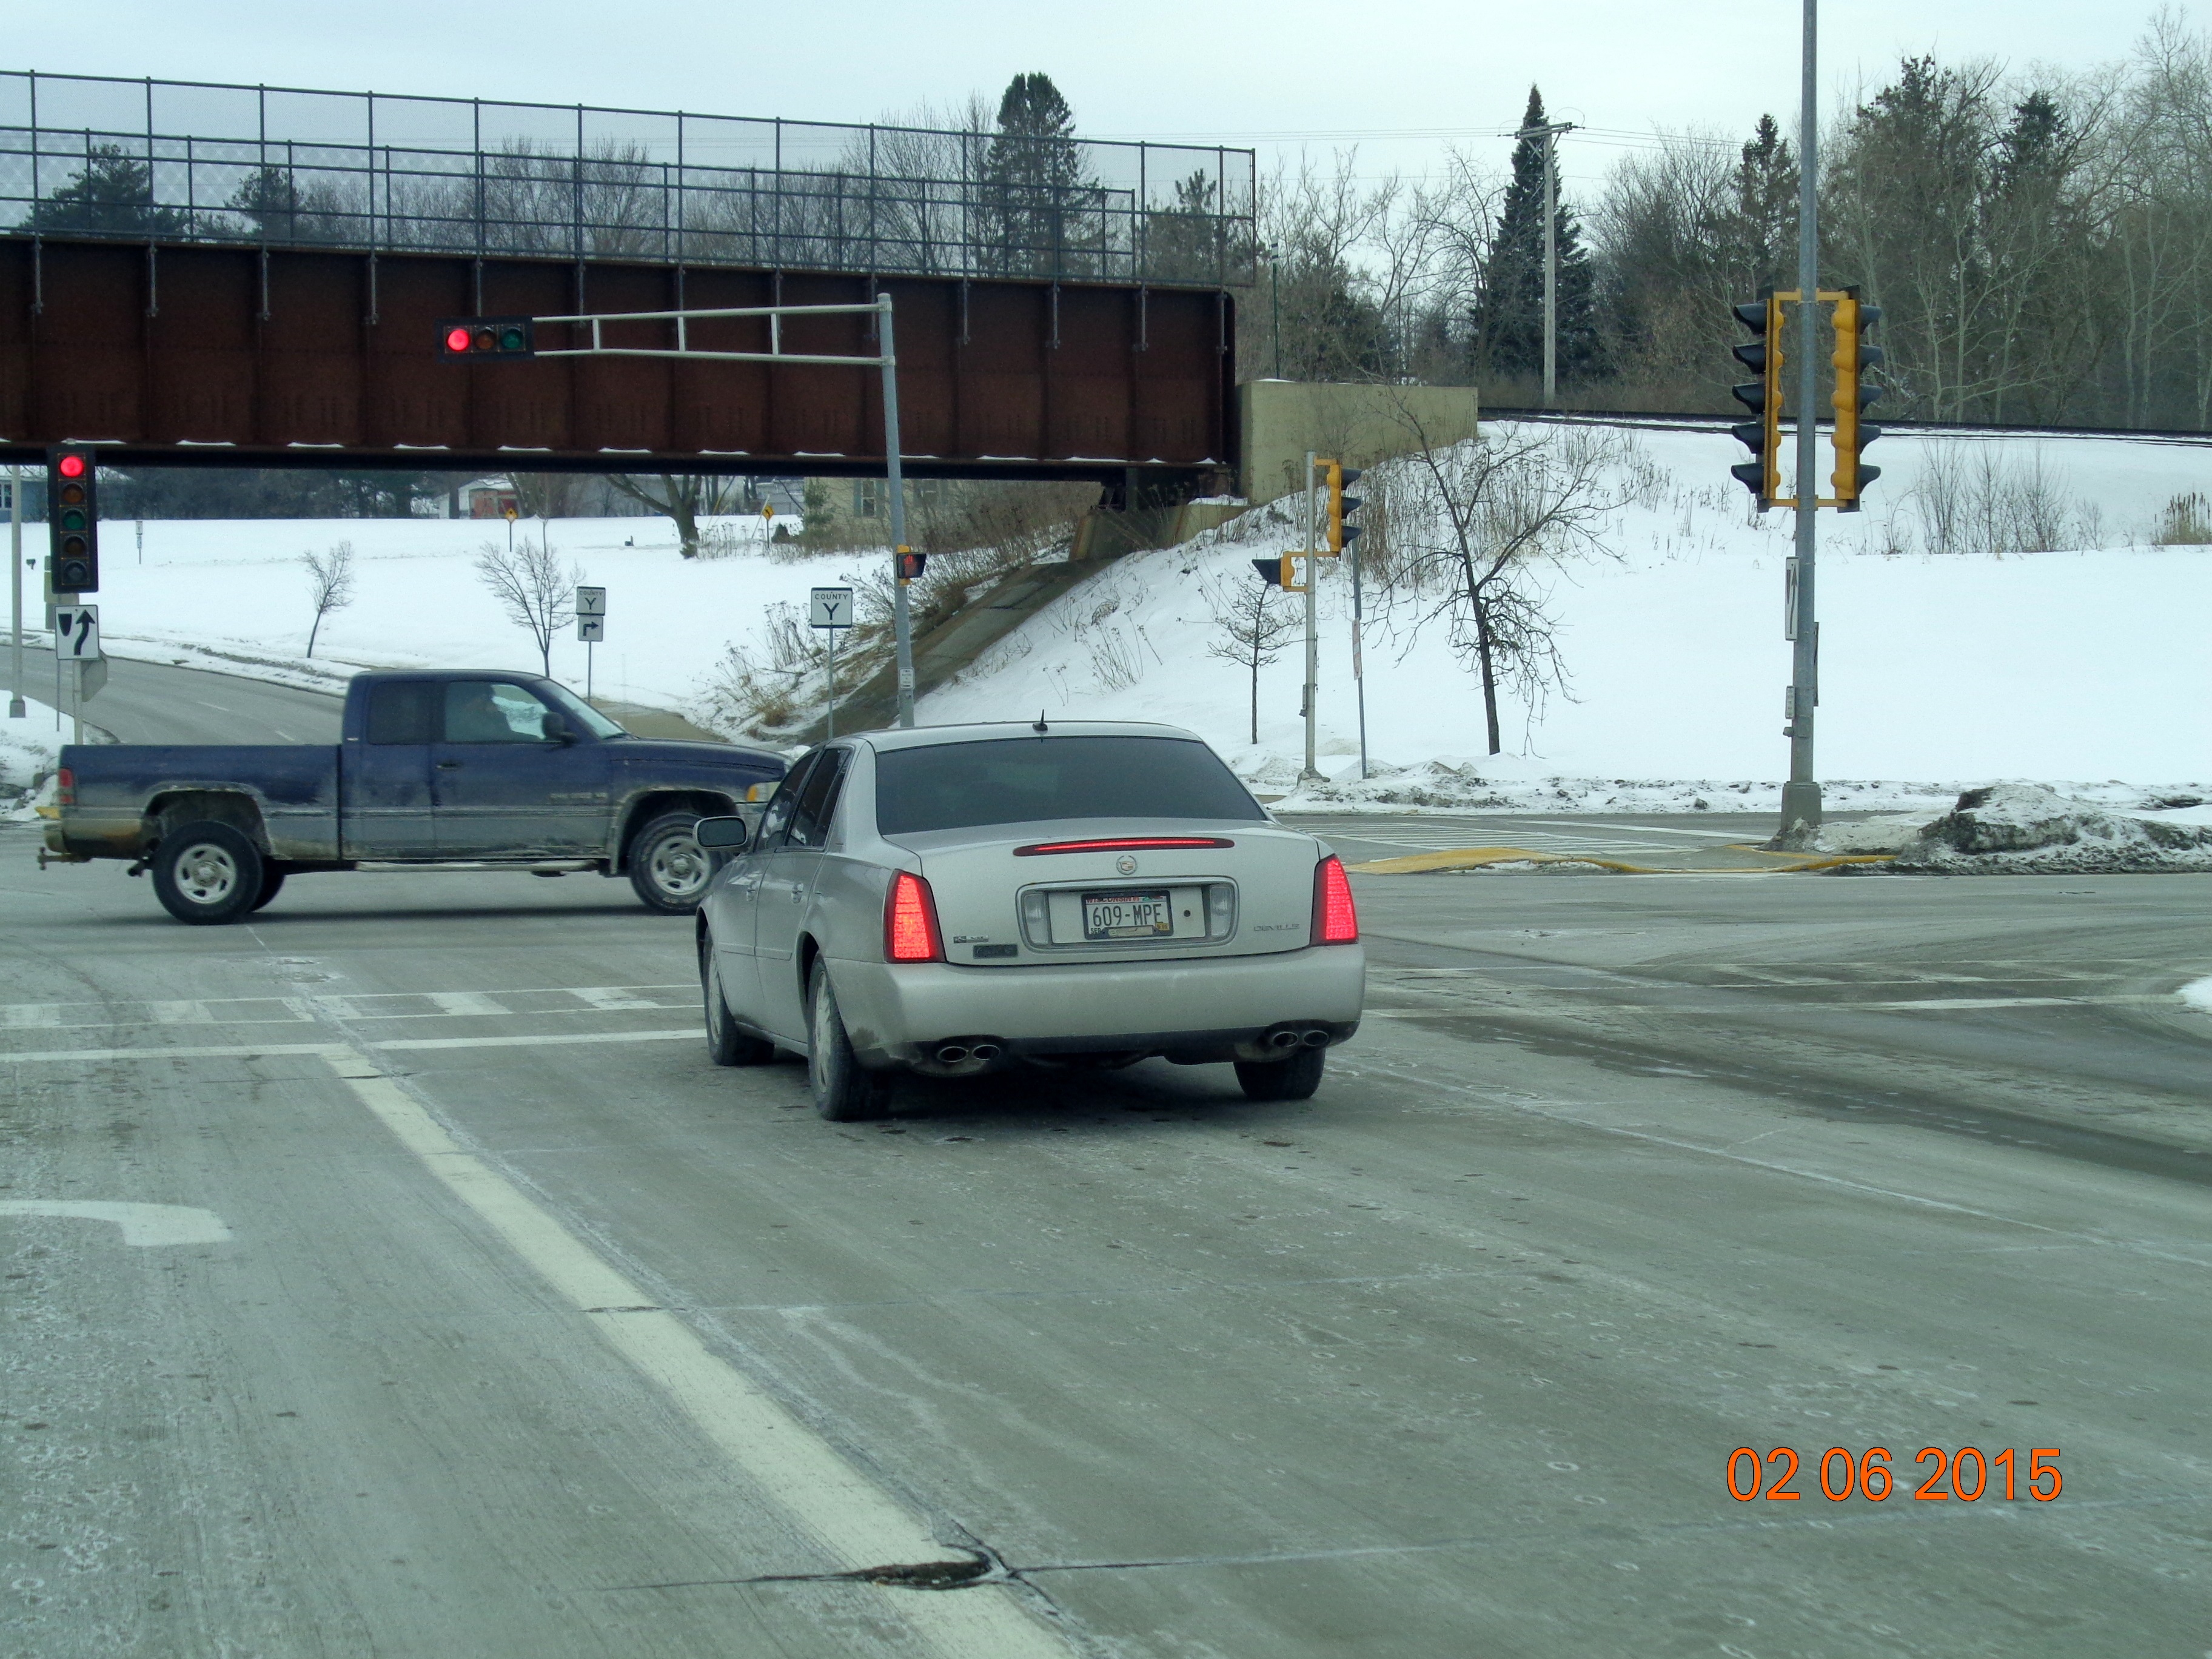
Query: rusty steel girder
x,y
285,356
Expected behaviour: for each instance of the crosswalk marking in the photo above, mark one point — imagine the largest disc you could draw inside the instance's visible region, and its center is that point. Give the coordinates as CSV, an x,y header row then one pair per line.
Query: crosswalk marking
x,y
369,1007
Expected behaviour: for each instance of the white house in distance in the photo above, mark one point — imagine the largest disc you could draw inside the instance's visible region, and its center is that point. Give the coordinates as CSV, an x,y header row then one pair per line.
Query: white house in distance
x,y
481,498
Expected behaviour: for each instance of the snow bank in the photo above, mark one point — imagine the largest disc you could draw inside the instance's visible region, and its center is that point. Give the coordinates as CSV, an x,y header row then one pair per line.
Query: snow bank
x,y
29,749
2198,994
2024,828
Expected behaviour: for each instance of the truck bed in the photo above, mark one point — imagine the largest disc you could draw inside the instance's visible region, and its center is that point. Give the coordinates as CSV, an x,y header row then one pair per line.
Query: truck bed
x,y
295,784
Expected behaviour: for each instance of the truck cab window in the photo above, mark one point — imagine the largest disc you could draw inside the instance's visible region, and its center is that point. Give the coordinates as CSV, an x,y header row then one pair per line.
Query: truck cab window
x,y
492,711
405,711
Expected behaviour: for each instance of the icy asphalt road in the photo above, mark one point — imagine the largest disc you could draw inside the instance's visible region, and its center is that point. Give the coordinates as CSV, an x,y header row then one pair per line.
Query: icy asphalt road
x,y
495,1321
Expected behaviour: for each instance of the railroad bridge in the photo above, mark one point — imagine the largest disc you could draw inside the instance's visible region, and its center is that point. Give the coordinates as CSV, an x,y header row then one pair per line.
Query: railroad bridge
x,y
193,274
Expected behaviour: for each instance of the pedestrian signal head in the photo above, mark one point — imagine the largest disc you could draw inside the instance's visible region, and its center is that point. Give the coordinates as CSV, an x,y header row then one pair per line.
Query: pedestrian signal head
x,y
911,564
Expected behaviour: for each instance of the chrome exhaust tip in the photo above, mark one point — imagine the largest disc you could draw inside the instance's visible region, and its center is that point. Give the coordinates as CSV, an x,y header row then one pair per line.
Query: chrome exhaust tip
x,y
1316,1039
1283,1039
984,1051
951,1054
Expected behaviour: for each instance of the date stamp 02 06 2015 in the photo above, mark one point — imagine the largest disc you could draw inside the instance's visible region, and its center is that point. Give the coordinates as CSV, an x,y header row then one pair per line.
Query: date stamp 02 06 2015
x,y
1840,1473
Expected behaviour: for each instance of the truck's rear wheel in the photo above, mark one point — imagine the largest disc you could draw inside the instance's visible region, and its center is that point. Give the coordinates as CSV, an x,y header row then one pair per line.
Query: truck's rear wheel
x,y
207,873
668,868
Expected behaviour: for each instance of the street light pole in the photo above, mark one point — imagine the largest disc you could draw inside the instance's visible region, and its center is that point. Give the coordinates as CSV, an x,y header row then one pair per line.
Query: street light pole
x,y
1313,634
1550,134
1801,796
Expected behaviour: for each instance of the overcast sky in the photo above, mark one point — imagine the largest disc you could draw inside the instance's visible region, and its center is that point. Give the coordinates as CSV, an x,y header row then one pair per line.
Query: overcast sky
x,y
1399,78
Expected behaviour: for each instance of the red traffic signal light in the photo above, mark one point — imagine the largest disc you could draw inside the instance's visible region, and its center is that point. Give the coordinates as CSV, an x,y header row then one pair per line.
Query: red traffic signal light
x,y
911,564
73,521
487,337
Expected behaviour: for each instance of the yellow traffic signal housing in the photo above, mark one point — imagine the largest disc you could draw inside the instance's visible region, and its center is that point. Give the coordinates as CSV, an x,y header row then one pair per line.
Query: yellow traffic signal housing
x,y
1853,357
1339,534
1281,572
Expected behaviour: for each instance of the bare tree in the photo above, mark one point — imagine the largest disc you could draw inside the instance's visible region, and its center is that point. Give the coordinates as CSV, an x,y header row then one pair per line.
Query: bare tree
x,y
538,595
683,499
1254,629
330,584
1485,518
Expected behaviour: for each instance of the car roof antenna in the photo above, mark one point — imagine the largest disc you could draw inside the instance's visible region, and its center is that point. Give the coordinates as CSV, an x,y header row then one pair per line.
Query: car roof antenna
x,y
1040,726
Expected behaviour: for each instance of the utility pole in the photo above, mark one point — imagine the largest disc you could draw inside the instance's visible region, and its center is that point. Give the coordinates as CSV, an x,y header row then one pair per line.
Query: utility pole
x,y
1550,134
1801,796
16,706
1269,252
1313,635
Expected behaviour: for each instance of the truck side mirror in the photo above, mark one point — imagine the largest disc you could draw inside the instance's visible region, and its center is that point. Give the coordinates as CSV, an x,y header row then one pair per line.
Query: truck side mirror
x,y
722,835
555,727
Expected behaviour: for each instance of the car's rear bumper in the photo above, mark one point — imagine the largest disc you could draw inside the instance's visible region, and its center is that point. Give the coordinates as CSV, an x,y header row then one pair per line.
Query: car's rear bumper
x,y
1206,1008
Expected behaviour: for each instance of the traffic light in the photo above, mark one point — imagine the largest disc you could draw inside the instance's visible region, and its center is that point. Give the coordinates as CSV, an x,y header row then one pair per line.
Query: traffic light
x,y
486,336
1339,504
73,517
1281,572
1854,356
1762,474
911,564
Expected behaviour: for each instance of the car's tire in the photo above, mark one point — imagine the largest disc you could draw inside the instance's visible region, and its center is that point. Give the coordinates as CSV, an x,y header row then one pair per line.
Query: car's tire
x,y
272,882
1295,1079
726,1044
207,873
844,1092
668,868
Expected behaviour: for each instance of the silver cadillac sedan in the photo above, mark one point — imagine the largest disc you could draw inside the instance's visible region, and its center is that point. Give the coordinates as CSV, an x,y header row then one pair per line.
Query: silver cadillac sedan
x,y
956,899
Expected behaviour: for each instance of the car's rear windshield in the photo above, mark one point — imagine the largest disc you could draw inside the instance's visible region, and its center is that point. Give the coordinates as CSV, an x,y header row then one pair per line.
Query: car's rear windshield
x,y
965,786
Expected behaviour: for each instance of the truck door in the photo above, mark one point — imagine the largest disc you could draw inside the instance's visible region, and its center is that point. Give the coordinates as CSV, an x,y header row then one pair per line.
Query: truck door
x,y
786,878
384,809
504,789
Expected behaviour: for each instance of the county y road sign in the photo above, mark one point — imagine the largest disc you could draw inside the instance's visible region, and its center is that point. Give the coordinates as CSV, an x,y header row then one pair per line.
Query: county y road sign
x,y
830,607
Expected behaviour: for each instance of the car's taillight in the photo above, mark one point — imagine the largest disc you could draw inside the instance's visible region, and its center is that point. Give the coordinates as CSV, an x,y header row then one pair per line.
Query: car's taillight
x,y
1336,921
910,921
65,787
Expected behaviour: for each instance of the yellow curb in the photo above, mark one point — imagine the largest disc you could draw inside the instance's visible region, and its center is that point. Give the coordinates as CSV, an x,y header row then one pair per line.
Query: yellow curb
x,y
1474,858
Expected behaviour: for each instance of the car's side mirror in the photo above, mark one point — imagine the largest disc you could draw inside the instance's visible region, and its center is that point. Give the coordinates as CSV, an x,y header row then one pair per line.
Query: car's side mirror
x,y
722,835
555,727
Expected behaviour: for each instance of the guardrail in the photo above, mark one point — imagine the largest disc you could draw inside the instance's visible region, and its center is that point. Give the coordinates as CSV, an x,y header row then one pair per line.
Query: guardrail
x,y
176,161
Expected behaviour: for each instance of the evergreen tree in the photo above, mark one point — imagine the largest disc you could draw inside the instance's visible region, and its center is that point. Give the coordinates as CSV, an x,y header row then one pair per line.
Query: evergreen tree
x,y
112,193
1765,248
1041,207
1508,319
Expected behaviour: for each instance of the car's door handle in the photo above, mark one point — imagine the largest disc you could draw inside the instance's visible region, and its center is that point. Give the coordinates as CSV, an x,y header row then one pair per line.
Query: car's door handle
x,y
449,765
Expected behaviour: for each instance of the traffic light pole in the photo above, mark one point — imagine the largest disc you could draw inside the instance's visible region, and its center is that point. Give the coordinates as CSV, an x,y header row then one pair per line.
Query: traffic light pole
x,y
902,621
1313,634
16,706
1801,796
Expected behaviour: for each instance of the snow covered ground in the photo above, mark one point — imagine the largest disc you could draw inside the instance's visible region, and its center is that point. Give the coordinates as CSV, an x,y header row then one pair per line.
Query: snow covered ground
x,y
28,747
2086,668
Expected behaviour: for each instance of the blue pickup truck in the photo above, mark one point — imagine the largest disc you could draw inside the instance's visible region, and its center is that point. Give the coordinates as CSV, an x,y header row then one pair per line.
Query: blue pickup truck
x,y
434,768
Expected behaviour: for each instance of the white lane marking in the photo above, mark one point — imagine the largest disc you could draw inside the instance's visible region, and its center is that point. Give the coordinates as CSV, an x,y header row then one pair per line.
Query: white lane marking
x,y
255,1050
612,998
1753,1004
690,1033
466,1002
283,734
858,1525
1645,829
366,1005
147,1225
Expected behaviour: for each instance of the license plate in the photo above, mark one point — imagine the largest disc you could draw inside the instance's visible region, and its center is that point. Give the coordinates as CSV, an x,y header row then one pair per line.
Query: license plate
x,y
1127,915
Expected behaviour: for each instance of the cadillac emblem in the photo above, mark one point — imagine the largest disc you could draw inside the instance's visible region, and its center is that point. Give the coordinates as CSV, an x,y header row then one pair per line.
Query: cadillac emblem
x,y
1126,864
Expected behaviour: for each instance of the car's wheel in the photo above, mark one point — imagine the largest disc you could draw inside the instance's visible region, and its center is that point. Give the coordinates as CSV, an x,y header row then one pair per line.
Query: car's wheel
x,y
272,882
667,867
843,1092
207,873
726,1044
1295,1079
